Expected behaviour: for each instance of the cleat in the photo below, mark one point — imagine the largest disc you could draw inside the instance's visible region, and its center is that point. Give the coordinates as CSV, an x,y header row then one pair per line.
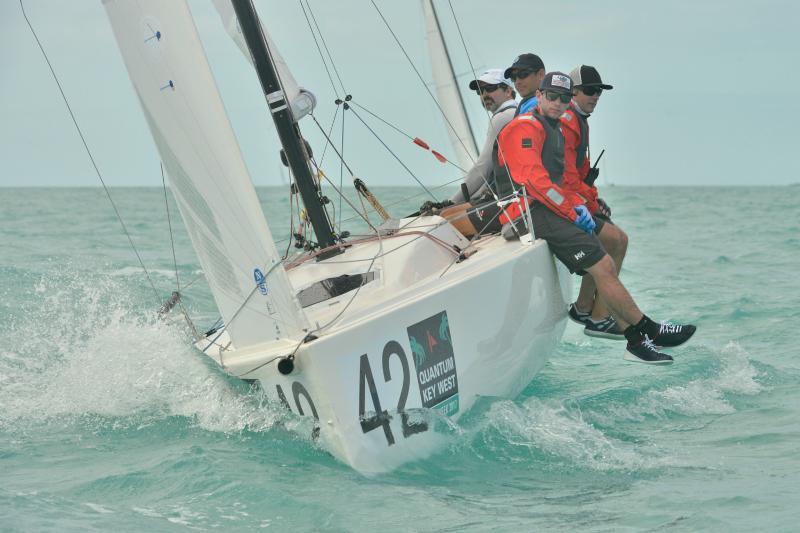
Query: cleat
x,y
606,328
577,316
644,351
671,335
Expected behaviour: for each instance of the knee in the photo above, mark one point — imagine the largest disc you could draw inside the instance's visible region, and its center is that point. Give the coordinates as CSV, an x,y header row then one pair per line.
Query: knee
x,y
623,242
614,240
604,268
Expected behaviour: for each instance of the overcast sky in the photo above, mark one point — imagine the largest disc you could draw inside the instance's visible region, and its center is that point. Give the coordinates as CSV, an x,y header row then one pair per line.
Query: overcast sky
x,y
703,90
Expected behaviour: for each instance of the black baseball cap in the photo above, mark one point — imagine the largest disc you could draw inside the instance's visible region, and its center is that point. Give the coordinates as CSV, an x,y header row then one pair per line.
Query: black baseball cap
x,y
531,61
586,76
557,82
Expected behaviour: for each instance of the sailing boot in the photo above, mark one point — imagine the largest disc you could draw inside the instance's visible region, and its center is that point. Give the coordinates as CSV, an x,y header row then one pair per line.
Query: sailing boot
x,y
642,350
606,328
577,316
670,335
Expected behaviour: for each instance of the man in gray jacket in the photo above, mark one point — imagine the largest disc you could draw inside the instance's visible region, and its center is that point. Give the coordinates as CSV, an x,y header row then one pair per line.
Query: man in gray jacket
x,y
497,97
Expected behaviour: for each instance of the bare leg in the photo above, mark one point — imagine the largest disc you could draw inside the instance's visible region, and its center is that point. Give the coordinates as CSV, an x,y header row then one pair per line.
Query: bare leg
x,y
457,216
615,242
614,293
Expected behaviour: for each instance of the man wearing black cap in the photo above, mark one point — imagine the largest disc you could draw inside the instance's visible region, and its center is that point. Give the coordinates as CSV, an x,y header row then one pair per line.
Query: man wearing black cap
x,y
579,177
527,72
532,148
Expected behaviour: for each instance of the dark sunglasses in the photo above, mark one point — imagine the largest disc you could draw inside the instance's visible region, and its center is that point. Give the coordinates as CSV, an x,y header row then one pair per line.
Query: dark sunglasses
x,y
489,88
591,91
520,73
552,96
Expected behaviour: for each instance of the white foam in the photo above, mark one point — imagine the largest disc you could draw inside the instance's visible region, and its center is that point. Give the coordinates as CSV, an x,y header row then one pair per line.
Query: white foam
x,y
90,348
700,396
548,426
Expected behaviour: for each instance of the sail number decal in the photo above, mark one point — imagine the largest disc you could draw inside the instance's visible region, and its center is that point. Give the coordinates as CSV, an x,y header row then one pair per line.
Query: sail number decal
x,y
298,390
435,366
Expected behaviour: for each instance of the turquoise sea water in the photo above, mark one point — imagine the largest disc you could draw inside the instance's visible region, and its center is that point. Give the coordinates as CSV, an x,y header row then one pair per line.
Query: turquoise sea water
x,y
110,421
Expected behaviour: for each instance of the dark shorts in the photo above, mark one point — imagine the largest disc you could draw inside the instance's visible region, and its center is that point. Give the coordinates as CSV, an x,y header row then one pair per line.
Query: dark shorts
x,y
572,246
486,217
600,221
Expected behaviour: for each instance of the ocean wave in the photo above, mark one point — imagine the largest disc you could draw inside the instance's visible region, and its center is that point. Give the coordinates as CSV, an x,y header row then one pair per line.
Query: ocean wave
x,y
90,348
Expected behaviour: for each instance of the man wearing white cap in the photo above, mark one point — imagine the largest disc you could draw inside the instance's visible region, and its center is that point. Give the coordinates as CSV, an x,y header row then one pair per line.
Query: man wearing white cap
x,y
479,213
497,97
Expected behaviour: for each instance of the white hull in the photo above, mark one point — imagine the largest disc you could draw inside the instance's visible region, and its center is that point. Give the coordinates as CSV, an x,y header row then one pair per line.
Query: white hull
x,y
505,311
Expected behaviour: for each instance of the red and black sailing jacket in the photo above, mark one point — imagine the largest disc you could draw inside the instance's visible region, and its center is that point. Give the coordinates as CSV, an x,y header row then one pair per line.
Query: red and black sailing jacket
x,y
533,151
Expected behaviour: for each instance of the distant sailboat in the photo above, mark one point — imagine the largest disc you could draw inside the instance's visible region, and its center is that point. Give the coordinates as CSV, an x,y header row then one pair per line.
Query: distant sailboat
x,y
374,337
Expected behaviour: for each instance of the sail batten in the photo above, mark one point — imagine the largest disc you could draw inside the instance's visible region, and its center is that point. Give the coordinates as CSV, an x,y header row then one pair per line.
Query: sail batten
x,y
206,171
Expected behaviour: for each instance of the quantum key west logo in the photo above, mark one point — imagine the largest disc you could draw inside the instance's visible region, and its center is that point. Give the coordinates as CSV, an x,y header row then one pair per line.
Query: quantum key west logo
x,y
435,363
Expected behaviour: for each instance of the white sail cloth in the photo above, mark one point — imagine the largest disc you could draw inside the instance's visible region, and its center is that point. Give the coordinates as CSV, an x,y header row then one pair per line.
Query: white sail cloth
x,y
208,177
447,90
301,101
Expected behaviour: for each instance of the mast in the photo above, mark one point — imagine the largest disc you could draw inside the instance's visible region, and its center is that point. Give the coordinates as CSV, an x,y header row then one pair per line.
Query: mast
x,y
288,130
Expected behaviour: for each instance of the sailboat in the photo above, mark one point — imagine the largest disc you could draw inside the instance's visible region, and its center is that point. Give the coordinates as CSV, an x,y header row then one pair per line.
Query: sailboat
x,y
379,338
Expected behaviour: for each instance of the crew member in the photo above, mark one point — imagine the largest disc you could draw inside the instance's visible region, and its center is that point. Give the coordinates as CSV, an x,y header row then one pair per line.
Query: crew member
x,y
590,312
479,213
532,148
527,72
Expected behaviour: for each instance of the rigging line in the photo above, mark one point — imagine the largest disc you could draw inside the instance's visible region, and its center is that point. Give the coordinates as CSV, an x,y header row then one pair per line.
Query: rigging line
x,y
169,222
242,306
320,328
422,80
408,198
475,77
175,259
341,170
321,55
88,152
322,38
463,43
398,129
393,154
327,137
341,195
352,174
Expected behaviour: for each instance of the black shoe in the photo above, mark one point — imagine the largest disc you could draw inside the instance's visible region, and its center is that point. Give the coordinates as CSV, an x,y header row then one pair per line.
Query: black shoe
x,y
578,316
606,328
644,351
671,335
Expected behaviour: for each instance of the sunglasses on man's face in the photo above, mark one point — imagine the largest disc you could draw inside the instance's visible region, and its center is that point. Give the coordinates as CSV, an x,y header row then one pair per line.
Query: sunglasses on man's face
x,y
489,88
553,96
520,73
591,91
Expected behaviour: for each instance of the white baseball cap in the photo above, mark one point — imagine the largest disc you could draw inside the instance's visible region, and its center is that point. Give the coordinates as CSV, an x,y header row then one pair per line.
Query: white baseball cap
x,y
493,76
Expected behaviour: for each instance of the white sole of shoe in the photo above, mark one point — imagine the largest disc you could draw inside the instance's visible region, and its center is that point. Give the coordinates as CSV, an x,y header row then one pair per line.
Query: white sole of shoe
x,y
604,335
630,357
576,321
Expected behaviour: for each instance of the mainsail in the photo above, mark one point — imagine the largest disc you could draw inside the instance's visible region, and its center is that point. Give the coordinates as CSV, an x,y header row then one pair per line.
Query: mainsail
x,y
300,100
208,177
447,90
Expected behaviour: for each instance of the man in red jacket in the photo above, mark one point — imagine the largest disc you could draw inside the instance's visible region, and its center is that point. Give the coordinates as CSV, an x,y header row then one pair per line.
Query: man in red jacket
x,y
590,312
532,148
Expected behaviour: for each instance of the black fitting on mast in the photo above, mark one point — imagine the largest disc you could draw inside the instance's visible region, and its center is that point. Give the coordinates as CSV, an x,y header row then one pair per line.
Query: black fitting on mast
x,y
288,131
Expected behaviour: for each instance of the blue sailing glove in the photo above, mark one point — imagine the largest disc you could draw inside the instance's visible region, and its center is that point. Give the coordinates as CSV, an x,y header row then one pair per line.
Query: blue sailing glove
x,y
584,220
